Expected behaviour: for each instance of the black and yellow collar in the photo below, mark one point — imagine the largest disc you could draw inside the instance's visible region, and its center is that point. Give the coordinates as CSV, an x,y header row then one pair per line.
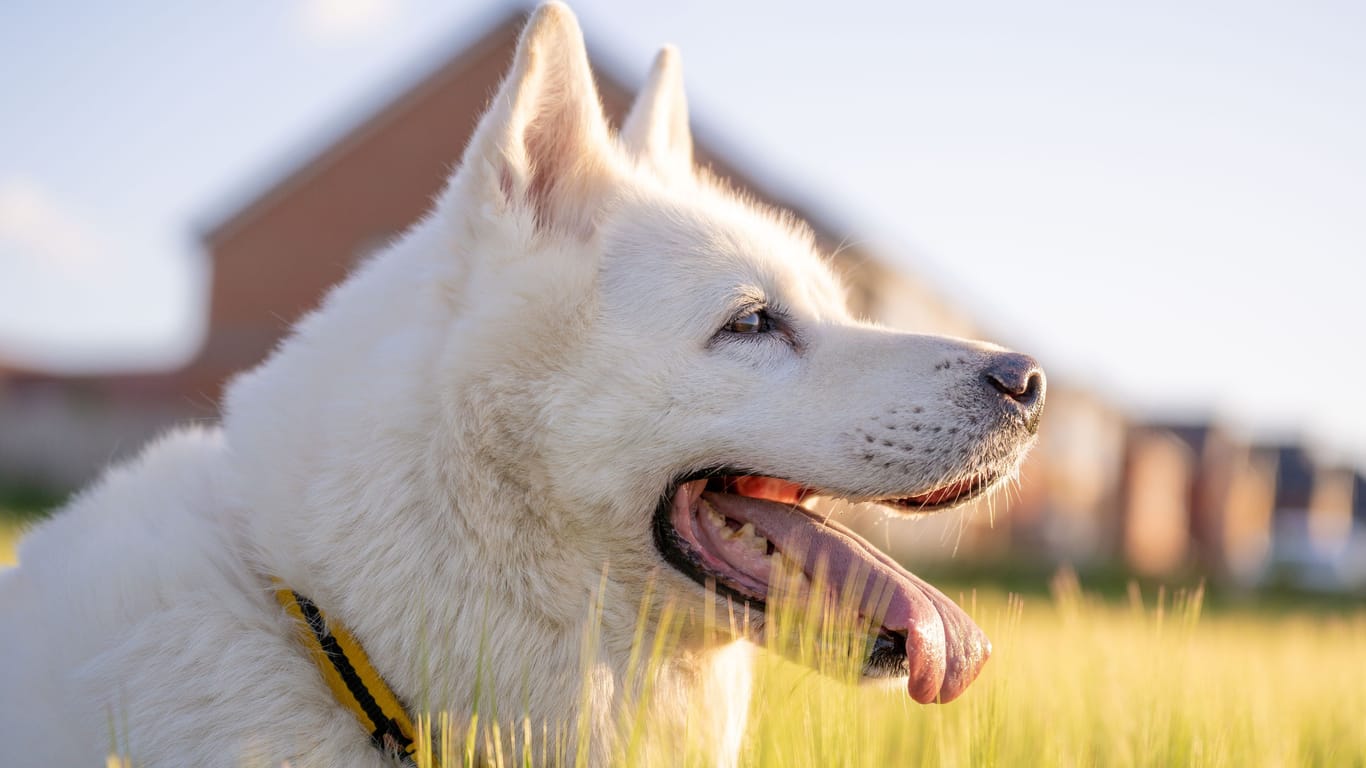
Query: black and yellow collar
x,y
354,681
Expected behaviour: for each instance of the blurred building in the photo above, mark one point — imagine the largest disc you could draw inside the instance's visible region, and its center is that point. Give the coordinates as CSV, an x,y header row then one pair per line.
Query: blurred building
x,y
1318,537
1246,531
1353,563
1159,475
59,431
1197,498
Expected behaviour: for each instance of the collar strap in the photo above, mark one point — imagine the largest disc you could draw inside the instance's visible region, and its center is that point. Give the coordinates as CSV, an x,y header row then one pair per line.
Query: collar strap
x,y
354,681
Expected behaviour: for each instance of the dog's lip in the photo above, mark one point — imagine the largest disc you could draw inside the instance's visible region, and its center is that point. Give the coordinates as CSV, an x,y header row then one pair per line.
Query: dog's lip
x,y
944,649
950,494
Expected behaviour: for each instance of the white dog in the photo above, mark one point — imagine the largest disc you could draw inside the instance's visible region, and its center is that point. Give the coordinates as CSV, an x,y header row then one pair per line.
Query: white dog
x,y
590,374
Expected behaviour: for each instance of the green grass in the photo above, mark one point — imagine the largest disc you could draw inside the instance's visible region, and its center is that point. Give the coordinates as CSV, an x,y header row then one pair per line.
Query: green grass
x,y
1073,680
26,501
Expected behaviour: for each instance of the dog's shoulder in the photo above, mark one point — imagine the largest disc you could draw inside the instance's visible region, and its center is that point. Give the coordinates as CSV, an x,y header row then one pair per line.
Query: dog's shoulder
x,y
139,597
148,535
173,491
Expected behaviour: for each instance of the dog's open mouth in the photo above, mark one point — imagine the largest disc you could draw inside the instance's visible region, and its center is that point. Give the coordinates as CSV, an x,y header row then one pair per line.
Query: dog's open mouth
x,y
732,530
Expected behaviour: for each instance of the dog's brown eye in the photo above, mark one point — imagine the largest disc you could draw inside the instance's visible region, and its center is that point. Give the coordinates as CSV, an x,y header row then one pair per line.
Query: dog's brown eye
x,y
753,322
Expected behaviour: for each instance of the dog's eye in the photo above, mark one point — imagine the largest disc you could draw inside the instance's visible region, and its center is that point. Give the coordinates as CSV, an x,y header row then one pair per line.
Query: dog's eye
x,y
757,321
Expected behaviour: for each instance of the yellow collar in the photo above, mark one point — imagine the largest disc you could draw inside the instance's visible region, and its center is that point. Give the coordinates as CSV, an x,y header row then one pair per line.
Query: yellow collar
x,y
354,681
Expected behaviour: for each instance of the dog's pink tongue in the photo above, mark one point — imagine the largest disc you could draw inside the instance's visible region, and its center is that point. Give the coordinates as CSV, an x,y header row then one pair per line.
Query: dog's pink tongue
x,y
944,648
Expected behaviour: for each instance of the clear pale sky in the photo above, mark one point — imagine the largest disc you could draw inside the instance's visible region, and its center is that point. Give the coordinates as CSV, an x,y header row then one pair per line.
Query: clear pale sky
x,y
1165,201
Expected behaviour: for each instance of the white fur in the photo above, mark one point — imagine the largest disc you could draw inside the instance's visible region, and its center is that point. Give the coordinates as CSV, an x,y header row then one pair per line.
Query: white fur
x,y
461,450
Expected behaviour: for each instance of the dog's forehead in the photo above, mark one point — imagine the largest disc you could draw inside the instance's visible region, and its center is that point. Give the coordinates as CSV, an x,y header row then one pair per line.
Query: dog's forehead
x,y
716,250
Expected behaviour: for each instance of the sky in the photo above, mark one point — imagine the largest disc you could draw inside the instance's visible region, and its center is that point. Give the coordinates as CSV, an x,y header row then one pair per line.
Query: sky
x,y
1162,201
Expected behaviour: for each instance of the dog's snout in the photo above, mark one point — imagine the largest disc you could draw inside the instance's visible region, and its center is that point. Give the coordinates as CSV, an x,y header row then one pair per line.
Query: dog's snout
x,y
1019,378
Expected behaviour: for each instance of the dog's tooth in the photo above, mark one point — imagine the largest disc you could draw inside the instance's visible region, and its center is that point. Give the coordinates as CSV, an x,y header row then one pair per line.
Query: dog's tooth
x,y
713,516
745,537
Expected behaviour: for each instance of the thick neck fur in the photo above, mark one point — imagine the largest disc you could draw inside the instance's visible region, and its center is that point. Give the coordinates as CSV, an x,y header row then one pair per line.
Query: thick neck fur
x,y
381,471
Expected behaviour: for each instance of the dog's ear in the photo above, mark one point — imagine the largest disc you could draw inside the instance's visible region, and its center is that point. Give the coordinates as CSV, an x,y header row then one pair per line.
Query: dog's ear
x,y
657,128
544,143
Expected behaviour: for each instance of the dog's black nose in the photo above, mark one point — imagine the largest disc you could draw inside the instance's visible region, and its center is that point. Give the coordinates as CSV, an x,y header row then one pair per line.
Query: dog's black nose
x,y
1019,378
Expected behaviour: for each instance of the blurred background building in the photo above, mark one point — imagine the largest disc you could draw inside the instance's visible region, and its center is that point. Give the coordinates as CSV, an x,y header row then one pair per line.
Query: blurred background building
x,y
1100,488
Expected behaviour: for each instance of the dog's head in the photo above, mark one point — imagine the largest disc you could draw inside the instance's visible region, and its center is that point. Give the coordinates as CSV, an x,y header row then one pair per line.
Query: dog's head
x,y
591,357
675,367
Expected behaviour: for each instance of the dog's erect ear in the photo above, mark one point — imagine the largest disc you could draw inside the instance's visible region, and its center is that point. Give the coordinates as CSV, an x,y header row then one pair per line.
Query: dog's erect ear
x,y
544,142
657,128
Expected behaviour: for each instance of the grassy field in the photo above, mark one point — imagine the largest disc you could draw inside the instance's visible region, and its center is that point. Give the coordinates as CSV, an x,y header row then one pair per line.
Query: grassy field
x,y
1077,682
1073,681
1147,681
